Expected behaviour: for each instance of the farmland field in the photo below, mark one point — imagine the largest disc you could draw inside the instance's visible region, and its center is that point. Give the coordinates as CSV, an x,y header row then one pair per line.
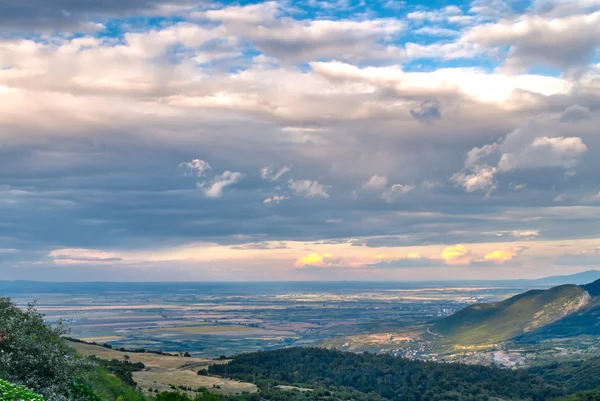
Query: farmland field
x,y
212,319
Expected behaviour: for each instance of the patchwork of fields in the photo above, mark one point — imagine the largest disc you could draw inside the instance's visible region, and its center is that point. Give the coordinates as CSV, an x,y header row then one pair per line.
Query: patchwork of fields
x,y
209,320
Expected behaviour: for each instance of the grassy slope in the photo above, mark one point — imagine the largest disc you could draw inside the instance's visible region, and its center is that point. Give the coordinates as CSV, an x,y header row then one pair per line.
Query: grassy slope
x,y
110,387
501,321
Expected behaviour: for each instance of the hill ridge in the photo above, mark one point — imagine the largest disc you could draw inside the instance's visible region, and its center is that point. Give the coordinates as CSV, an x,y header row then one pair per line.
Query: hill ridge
x,y
516,317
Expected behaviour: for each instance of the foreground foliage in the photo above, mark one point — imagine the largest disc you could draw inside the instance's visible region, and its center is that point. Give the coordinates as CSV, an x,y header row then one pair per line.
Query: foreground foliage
x,y
33,354
14,392
109,387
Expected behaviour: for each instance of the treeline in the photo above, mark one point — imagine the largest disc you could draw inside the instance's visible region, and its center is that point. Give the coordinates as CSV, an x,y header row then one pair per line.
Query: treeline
x,y
129,350
122,369
274,394
390,377
574,375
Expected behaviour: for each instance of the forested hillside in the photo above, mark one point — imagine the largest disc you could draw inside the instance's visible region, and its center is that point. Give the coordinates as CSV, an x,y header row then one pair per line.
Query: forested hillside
x,y
390,377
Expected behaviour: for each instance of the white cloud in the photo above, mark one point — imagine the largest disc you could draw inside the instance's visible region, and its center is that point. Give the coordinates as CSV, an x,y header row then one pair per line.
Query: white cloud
x,y
436,31
214,189
376,182
544,152
249,14
276,199
473,83
395,190
266,173
563,42
435,15
295,40
480,178
555,8
308,188
196,167
525,147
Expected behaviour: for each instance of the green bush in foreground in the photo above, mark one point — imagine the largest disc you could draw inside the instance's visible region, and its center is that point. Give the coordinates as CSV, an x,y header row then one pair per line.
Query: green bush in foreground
x,y
14,392
33,354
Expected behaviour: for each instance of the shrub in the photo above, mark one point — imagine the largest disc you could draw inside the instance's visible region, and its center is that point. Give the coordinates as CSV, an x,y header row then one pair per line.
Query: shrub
x,y
34,355
14,392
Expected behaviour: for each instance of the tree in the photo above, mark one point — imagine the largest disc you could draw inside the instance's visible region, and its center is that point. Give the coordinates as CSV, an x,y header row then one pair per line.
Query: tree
x,y
33,354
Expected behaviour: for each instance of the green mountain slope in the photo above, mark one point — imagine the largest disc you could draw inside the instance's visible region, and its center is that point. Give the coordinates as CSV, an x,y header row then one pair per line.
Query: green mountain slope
x,y
500,321
585,321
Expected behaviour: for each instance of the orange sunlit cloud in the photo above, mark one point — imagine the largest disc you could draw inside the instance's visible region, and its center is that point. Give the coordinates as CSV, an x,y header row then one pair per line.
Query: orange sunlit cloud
x,y
313,259
503,255
456,255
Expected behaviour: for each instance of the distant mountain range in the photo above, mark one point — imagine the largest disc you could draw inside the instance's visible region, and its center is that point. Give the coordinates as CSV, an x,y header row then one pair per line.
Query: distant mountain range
x,y
581,278
563,311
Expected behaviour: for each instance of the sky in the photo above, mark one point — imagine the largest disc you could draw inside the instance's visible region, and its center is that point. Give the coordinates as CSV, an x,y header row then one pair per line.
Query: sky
x,y
186,140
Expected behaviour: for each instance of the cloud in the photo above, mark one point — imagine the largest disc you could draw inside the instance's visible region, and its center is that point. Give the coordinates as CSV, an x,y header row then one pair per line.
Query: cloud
x,y
408,261
376,182
260,246
518,233
544,152
564,7
505,90
266,173
523,148
75,256
308,188
456,255
293,40
436,31
93,122
503,255
49,15
275,199
480,178
214,188
395,190
314,259
592,198
567,43
252,13
575,113
588,257
427,112
196,167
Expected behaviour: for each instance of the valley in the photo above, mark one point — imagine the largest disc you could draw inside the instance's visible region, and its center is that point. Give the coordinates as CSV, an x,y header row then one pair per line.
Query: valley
x,y
494,323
